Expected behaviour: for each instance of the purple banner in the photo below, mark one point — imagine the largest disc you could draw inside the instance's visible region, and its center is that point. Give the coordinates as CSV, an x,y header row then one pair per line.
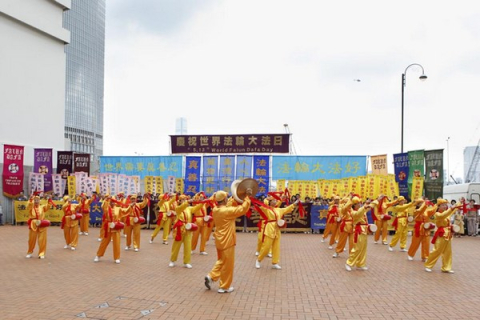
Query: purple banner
x,y
247,143
400,162
43,164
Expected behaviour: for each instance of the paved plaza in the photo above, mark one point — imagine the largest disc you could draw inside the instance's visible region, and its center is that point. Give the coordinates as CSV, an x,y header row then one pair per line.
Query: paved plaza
x,y
311,285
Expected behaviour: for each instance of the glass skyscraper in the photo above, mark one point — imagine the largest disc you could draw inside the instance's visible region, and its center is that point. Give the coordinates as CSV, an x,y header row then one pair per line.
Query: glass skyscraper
x,y
85,76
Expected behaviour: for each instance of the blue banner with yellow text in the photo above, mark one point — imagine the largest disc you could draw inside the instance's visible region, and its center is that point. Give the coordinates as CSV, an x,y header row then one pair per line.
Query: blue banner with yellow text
x,y
226,172
318,167
261,173
192,175
400,161
161,166
210,175
244,167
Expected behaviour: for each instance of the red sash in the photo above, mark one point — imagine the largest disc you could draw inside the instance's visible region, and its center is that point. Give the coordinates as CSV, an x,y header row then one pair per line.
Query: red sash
x,y
358,231
160,218
439,233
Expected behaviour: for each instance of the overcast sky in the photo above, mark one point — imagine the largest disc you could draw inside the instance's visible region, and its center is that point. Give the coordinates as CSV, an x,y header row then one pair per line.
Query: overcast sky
x,y
251,66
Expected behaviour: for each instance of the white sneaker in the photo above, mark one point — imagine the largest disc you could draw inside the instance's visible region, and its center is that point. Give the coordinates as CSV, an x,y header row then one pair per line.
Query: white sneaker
x,y
323,240
347,267
171,264
276,266
85,233
257,264
203,253
208,282
136,249
73,248
124,235
336,241
96,259
269,255
403,250
428,270
66,246
376,242
41,257
28,256
117,261
385,243
80,233
449,271
99,239
126,248
165,242
390,249
257,253
188,266
410,258
330,247
225,290
151,241
335,255
362,268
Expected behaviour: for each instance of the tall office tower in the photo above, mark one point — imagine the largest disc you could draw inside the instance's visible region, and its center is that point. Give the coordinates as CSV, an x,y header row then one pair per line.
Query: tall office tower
x,y
85,77
180,126
471,164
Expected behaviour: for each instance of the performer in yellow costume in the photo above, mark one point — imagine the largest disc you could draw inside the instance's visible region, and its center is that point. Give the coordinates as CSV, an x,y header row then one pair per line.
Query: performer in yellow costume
x,y
421,230
380,216
346,227
199,220
181,235
111,219
36,213
225,240
165,205
332,222
84,209
358,255
261,225
442,239
69,225
401,224
271,232
133,223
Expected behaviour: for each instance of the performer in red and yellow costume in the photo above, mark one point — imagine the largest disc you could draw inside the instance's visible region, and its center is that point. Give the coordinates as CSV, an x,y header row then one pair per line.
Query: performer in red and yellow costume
x,y
199,220
381,217
36,213
358,255
332,221
225,240
166,206
442,239
421,231
133,221
346,227
401,223
84,209
271,234
111,218
69,225
181,234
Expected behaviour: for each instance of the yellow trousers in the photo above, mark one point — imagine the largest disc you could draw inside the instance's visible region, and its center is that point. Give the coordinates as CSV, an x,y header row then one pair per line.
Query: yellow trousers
x,y
70,232
270,245
199,233
106,241
441,248
41,235
358,256
424,240
400,234
342,242
187,248
165,224
133,232
223,268
84,222
329,229
382,228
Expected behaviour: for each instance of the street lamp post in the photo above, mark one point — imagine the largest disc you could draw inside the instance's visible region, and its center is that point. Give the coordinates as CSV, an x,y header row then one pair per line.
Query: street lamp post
x,y
404,83
448,159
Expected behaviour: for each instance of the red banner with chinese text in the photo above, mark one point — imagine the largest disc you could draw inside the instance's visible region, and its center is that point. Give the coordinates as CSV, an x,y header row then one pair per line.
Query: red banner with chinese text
x,y
12,170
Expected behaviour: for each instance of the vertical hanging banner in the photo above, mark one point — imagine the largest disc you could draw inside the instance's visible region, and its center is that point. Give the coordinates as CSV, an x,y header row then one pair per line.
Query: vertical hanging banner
x,y
123,184
149,183
113,183
400,161
179,185
434,174
192,175
12,170
64,165
379,164
72,185
417,188
244,167
226,172
261,173
57,184
81,179
159,185
416,163
210,174
36,182
81,162
171,184
43,164
104,188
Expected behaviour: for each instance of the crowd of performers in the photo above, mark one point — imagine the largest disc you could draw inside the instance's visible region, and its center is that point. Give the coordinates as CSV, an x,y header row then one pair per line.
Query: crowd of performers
x,y
190,221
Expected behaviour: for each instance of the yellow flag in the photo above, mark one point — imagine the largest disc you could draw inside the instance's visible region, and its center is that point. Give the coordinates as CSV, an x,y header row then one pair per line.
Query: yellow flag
x,y
417,188
159,185
72,186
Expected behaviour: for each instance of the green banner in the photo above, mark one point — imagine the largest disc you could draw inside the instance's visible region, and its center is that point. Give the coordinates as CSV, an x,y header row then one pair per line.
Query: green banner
x,y
434,174
416,161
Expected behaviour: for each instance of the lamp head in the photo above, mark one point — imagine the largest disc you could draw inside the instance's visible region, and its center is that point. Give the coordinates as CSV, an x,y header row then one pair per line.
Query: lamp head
x,y
423,77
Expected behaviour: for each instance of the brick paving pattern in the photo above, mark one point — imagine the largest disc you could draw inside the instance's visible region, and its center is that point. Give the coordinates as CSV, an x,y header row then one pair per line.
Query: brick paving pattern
x,y
311,285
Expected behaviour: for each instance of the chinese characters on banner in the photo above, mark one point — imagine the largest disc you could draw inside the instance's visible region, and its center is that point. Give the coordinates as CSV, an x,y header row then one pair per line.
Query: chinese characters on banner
x,y
210,174
64,166
36,182
12,170
434,174
247,143
400,161
81,162
192,175
244,167
379,164
261,173
161,166
416,167
43,164
226,172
